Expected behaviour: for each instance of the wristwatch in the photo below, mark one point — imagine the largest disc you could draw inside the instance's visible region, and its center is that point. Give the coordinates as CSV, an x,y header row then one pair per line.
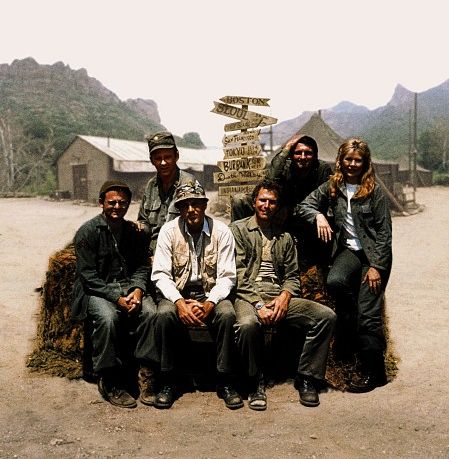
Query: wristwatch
x,y
259,305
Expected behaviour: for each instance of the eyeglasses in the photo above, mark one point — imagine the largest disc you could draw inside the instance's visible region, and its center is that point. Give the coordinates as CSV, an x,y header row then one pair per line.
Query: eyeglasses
x,y
113,203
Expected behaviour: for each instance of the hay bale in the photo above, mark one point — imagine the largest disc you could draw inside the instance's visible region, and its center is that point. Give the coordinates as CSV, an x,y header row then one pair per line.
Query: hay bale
x,y
59,344
60,347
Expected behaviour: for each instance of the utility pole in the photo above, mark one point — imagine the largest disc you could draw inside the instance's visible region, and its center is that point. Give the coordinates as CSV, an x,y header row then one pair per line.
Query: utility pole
x,y
414,137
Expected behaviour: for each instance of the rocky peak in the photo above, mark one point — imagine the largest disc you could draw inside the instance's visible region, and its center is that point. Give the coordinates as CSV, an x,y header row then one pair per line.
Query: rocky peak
x,y
146,107
402,97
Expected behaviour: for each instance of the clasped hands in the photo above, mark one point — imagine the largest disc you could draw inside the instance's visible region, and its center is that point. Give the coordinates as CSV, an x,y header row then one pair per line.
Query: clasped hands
x,y
275,310
193,312
132,302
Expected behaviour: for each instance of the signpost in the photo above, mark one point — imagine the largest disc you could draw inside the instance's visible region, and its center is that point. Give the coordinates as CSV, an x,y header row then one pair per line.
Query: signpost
x,y
248,137
242,161
242,114
242,150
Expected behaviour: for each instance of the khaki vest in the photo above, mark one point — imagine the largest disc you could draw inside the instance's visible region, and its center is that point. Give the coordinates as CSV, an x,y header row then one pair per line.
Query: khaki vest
x,y
181,258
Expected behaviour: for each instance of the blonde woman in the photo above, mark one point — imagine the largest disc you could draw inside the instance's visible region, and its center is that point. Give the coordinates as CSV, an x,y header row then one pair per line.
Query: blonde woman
x,y
351,212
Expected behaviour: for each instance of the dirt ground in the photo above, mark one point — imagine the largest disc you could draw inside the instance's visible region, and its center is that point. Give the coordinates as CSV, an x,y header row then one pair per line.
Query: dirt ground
x,y
44,417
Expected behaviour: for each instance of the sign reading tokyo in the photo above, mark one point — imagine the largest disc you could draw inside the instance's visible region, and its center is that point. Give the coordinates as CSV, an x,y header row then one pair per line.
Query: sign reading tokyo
x,y
242,151
239,100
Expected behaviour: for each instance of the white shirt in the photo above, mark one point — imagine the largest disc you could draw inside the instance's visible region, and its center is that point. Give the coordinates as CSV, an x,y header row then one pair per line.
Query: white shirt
x,y
352,241
162,264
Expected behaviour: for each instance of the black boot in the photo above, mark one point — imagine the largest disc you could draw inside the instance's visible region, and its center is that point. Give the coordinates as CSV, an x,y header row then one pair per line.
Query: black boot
x,y
372,373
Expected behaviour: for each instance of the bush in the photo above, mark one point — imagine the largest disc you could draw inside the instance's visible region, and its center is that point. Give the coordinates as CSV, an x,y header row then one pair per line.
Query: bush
x,y
441,178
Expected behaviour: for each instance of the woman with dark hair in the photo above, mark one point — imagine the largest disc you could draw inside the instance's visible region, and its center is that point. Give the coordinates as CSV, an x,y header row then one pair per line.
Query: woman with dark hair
x,y
351,211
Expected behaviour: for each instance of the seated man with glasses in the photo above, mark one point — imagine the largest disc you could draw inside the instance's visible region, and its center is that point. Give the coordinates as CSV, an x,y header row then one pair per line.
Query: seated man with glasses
x,y
111,280
194,273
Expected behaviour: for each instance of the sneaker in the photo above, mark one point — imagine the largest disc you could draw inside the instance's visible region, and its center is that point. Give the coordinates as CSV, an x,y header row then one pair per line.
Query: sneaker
x,y
147,385
115,396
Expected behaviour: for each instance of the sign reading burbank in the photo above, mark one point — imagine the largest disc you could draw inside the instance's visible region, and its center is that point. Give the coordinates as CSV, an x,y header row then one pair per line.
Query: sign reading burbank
x,y
234,189
244,137
239,176
242,114
241,151
250,163
239,100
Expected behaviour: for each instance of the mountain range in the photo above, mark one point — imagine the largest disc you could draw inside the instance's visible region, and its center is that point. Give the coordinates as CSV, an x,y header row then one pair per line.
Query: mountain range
x,y
69,102
387,129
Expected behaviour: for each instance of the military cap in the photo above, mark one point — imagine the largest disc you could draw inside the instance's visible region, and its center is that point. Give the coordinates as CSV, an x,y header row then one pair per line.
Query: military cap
x,y
160,140
114,185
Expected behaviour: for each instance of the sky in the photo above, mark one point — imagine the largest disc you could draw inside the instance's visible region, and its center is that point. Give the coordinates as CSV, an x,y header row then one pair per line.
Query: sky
x,y
184,54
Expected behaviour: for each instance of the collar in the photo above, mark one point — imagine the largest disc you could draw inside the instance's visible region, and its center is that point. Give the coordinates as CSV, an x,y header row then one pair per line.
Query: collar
x,y
253,226
205,229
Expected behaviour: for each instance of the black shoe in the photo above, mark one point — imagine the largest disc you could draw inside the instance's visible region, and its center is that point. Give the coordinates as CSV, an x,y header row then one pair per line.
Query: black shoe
x,y
366,383
114,395
308,395
166,397
232,399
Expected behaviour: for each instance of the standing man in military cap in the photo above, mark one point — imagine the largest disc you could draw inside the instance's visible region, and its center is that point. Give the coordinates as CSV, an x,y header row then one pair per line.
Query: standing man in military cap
x,y
111,280
157,205
194,270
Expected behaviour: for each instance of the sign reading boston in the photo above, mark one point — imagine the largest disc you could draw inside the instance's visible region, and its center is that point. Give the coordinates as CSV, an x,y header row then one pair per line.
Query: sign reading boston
x,y
261,101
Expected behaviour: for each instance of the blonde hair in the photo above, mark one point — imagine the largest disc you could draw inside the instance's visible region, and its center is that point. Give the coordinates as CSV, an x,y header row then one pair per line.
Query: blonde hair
x,y
368,180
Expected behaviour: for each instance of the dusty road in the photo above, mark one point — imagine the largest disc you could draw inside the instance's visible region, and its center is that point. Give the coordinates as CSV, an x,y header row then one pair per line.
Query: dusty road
x,y
44,417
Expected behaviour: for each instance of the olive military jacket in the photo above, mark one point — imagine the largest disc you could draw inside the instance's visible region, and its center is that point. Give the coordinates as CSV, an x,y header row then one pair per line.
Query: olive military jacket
x,y
107,269
248,243
154,211
282,170
371,216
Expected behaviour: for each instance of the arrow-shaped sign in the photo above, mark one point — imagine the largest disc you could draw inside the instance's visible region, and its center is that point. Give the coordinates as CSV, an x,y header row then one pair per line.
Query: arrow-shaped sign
x,y
242,151
244,137
241,125
239,100
234,189
250,163
242,114
239,176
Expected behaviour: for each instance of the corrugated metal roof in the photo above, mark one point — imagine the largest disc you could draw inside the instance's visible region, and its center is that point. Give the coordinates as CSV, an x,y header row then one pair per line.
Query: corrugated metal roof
x,y
132,156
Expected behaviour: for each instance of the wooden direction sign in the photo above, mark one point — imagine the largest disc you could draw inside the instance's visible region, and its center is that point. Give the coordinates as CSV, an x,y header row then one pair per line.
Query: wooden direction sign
x,y
234,189
242,151
238,100
250,137
239,176
242,114
241,125
250,163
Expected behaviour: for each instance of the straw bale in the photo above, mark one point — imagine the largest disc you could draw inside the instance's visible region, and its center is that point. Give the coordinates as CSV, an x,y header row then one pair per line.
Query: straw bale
x,y
59,344
59,347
